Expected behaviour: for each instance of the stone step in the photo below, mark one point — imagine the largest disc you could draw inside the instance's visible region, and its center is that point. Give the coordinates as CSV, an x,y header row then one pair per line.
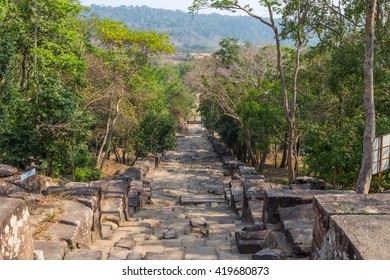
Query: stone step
x,y
200,199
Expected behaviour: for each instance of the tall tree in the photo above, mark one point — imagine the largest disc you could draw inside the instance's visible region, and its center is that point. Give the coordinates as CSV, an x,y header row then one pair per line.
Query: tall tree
x,y
365,174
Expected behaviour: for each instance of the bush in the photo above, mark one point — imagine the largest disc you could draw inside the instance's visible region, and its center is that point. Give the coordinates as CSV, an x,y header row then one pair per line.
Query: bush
x,y
86,174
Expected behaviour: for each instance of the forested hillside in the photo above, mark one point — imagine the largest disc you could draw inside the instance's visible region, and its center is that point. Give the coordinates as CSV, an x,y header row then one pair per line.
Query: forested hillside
x,y
198,32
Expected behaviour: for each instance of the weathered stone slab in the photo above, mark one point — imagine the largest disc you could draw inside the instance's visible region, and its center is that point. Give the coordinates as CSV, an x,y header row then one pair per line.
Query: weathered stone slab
x,y
102,185
345,223
148,249
252,242
118,255
68,233
277,198
200,199
134,173
52,250
170,234
16,241
161,256
76,185
198,222
54,190
247,171
126,243
113,210
301,239
356,237
299,212
116,188
221,230
200,253
84,255
7,170
255,210
269,254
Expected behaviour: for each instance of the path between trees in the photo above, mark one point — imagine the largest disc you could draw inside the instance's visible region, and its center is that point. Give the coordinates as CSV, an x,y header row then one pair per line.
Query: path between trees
x,y
188,217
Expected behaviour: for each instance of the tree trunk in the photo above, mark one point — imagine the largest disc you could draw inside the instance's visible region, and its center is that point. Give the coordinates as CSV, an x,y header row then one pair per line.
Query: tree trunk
x,y
365,173
106,132
263,159
111,133
283,164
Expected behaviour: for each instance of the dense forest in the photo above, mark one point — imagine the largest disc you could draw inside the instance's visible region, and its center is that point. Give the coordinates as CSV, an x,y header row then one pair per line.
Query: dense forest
x,y
76,90
189,32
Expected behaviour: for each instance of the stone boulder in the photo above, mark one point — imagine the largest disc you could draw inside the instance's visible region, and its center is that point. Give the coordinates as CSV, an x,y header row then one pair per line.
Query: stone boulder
x,y
7,170
34,184
7,189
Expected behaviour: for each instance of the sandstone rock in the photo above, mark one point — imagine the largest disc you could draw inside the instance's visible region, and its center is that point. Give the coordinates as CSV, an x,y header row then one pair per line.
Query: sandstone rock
x,y
170,234
269,254
84,255
15,229
252,242
125,243
52,250
198,222
7,170
69,233
34,184
7,189
118,255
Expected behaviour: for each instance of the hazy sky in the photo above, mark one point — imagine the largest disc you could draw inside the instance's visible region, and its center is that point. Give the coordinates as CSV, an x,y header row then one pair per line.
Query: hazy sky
x,y
165,4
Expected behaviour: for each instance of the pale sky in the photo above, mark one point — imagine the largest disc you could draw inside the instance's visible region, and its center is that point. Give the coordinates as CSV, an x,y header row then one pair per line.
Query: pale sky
x,y
169,4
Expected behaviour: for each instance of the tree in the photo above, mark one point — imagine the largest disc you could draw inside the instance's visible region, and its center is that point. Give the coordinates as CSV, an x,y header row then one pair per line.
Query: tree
x,y
41,82
294,17
365,174
124,53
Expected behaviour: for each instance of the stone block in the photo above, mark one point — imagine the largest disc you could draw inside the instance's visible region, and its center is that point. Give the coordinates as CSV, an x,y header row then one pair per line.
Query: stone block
x,y
351,227
69,233
16,241
113,210
280,198
125,243
301,239
134,173
269,254
52,250
84,255
252,242
118,255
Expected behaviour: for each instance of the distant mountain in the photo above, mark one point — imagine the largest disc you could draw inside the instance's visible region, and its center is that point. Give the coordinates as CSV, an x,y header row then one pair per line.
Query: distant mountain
x,y
189,32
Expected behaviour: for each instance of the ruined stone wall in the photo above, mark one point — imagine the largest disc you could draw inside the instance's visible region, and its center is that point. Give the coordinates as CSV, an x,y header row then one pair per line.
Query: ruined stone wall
x,y
16,242
351,227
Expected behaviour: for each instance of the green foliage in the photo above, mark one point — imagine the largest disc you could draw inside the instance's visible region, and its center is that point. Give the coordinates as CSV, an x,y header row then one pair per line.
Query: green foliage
x,y
156,133
229,51
42,70
87,174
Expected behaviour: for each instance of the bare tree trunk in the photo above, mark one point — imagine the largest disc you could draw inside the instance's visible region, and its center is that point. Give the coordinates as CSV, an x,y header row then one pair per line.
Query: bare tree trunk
x,y
106,132
111,133
263,159
284,157
365,174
